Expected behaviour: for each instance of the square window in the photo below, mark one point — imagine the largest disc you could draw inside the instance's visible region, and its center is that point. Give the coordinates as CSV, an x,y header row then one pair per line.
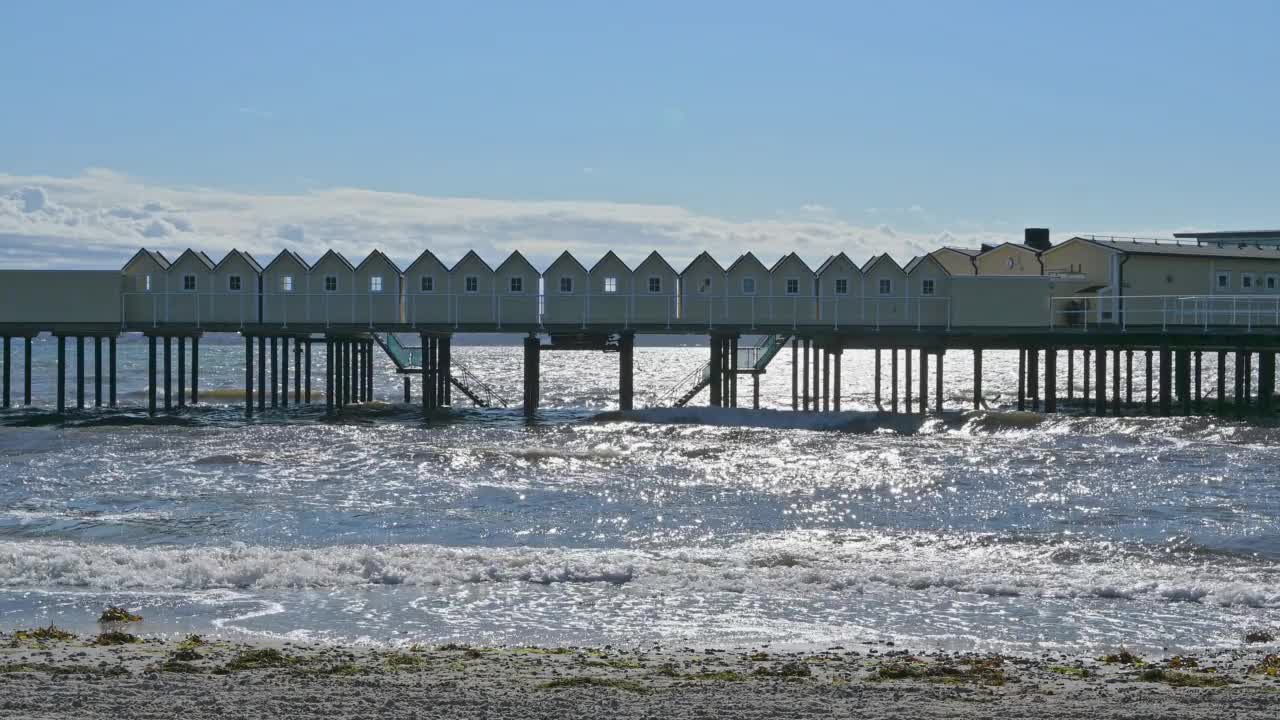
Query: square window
x,y
1224,280
611,284
705,287
1246,281
516,285
842,286
566,285
1271,282
886,286
926,287
331,283
286,283
428,283
655,284
793,286
188,282
748,286
233,283
472,284
375,283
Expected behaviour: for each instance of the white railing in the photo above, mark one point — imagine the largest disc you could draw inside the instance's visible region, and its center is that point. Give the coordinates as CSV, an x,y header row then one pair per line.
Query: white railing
x,y
1165,311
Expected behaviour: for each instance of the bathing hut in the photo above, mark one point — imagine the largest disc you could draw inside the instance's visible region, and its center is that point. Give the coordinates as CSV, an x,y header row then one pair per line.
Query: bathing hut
x,y
190,279
517,291
840,293
928,292
378,283
566,292
611,285
747,299
884,290
473,289
237,279
426,291
655,292
145,280
286,291
335,291
702,291
792,292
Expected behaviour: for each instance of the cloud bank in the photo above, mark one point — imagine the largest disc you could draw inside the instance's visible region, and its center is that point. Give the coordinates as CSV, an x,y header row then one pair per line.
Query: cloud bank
x,y
100,218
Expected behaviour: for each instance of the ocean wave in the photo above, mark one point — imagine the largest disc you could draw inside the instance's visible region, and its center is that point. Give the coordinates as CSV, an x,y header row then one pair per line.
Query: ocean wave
x,y
780,566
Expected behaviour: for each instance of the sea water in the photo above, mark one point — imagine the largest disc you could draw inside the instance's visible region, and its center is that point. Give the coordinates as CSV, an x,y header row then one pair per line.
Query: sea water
x,y
992,530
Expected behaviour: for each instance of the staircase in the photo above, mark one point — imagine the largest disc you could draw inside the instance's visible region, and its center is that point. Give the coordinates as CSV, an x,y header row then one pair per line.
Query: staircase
x,y
408,359
751,360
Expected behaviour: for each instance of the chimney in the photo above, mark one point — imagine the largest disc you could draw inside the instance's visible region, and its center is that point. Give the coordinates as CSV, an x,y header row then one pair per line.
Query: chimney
x,y
986,247
1036,238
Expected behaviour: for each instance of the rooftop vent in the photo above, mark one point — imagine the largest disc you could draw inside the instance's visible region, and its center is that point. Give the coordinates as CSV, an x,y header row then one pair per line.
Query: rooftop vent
x,y
1036,238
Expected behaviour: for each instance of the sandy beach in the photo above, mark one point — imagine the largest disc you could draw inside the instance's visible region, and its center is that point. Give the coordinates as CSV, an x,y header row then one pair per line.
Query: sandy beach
x,y
120,675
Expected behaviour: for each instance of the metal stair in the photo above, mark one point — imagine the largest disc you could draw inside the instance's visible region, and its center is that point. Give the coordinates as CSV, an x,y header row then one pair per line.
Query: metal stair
x,y
408,359
753,359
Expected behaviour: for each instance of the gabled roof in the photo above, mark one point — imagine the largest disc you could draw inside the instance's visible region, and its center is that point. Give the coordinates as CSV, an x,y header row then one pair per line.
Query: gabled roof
x,y
746,257
609,255
701,255
967,252
658,256
1017,246
912,263
470,254
376,255
919,260
246,257
566,255
877,259
832,260
516,257
337,255
1226,250
787,257
1231,235
199,256
426,255
288,254
153,255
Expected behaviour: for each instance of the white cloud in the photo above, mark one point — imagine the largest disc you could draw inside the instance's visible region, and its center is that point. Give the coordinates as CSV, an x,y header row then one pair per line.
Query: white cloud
x,y
816,209
99,218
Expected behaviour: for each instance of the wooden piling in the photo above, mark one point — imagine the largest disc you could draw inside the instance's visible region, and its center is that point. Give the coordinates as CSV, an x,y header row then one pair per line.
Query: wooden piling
x,y
626,371
924,381
877,377
804,381
717,370
79,372
1184,381
182,371
1022,379
1033,377
248,376
284,371
26,374
446,369
977,378
893,380
168,373
795,372
1085,375
1149,376
907,379
151,373
328,375
1050,380
1071,374
262,374
1198,380
826,379
937,383
1100,380
733,371
97,370
5,402
1128,378
1116,399
839,360
1166,367
1238,366
195,369
532,350
306,388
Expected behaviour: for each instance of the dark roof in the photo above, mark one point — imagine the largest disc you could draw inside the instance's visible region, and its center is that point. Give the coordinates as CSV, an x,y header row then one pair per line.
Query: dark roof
x,y
745,257
154,255
971,252
882,256
610,254
1231,235
703,254
242,255
515,256
379,254
338,255
787,257
424,255
831,260
288,254
199,256
655,254
1227,250
572,259
474,254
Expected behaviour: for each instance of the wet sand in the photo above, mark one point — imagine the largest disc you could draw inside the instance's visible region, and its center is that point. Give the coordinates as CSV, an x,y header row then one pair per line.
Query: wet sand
x,y
43,677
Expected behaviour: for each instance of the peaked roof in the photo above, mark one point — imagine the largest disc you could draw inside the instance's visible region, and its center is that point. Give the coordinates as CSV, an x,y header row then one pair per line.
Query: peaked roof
x,y
569,256
787,257
876,260
288,254
1019,246
153,255
427,255
376,254
471,254
927,258
609,255
516,257
967,252
337,255
743,258
832,260
654,254
701,255
199,256
234,253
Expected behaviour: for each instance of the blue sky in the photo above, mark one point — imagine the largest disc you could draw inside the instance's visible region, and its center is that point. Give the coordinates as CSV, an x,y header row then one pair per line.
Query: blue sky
x,y
929,119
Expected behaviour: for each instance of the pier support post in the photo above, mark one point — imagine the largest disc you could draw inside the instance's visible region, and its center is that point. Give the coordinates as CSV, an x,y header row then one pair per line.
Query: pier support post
x,y
262,374
97,371
195,369
795,372
1116,398
307,361
1166,367
26,374
328,375
1071,374
1022,379
1184,381
1222,381
977,378
428,372
1198,380
357,371
151,374
878,407
1149,376
298,343
1051,380
1085,375
804,381
924,381
937,383
79,372
906,388
826,379
733,371
1128,379
168,373
839,360
1100,380
1241,369
369,354
626,371
6,372
815,368
532,353
284,371
1033,377
893,380
182,371
1248,379
755,391
248,376
446,369
408,391
717,370
1266,380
